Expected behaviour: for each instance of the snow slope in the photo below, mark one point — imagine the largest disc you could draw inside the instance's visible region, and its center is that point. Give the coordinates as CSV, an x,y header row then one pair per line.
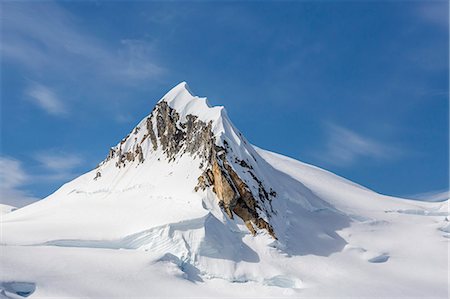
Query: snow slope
x,y
141,230
6,209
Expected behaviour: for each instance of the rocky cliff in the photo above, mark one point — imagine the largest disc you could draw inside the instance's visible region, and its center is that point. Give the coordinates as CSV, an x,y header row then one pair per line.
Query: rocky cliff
x,y
225,158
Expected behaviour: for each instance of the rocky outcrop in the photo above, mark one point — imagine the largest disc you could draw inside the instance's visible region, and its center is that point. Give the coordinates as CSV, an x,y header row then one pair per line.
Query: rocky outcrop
x,y
150,133
234,195
171,137
195,137
97,175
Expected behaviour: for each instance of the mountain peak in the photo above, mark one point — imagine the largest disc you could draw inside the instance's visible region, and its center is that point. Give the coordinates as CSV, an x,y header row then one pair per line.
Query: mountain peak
x,y
181,90
184,102
185,127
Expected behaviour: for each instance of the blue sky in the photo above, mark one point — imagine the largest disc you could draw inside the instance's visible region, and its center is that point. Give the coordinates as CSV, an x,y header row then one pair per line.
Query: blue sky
x,y
358,88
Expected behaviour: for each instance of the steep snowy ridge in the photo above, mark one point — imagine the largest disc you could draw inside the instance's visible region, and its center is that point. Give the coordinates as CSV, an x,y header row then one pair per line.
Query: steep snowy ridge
x,y
184,206
182,124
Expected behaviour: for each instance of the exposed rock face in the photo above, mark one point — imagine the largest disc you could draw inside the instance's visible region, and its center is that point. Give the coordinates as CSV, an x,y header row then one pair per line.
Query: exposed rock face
x,y
151,133
170,136
98,175
195,137
234,195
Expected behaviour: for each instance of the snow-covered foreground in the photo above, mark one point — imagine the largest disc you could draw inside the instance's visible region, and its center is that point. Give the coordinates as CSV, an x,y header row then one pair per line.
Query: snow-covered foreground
x,y
140,230
391,248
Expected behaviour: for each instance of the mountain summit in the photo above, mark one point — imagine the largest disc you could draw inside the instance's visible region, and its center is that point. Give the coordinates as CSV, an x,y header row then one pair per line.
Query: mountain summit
x,y
182,125
184,206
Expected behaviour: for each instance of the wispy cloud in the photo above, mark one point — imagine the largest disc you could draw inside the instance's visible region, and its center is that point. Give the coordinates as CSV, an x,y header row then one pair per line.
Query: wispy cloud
x,y
57,165
124,118
42,35
12,178
344,147
136,62
46,99
434,12
49,43
59,162
434,196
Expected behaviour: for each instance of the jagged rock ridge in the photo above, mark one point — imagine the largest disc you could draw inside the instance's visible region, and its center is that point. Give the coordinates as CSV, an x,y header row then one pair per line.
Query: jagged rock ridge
x,y
174,135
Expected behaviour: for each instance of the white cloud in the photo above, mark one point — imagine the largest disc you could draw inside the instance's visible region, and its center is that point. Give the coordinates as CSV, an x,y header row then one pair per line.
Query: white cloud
x,y
136,65
344,147
124,118
11,172
12,177
54,167
435,12
46,99
58,162
434,196
43,35
57,165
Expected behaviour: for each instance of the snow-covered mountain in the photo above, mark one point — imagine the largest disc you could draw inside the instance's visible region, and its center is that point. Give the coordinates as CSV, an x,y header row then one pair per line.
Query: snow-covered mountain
x,y
185,206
